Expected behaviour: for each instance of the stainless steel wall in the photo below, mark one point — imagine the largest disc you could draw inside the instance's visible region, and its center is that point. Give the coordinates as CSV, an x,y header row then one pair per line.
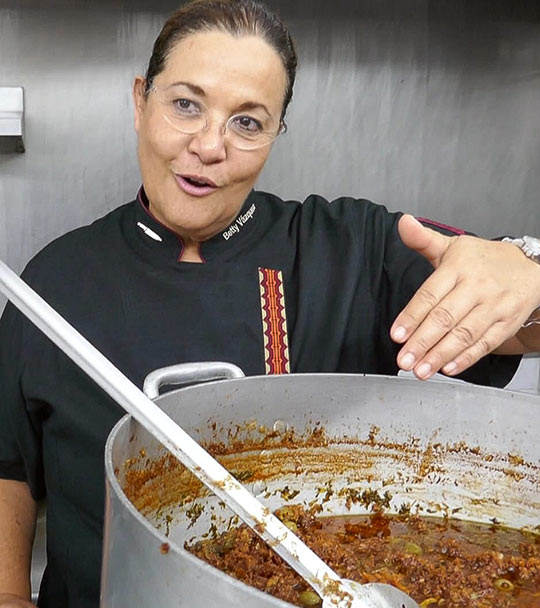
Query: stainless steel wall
x,y
430,106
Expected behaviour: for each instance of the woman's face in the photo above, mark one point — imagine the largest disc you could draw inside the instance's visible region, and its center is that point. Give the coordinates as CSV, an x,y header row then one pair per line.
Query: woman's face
x,y
228,76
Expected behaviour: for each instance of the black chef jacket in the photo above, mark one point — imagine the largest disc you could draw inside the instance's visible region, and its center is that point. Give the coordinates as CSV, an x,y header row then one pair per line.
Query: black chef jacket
x,y
345,275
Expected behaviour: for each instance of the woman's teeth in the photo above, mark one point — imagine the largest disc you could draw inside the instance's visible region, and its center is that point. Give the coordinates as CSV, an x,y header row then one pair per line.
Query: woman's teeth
x,y
196,182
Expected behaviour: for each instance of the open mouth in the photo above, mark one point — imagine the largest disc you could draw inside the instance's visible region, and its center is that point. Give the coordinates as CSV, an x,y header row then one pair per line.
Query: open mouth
x,y
198,182
195,185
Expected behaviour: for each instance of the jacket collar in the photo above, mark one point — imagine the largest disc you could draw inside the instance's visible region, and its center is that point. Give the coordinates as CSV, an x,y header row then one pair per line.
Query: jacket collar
x,y
163,241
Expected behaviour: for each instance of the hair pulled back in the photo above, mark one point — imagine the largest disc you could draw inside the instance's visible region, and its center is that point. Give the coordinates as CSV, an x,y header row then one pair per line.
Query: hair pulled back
x,y
236,17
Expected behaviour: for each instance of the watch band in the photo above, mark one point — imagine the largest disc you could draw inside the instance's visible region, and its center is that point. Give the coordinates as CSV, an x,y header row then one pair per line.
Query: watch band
x,y
534,319
530,246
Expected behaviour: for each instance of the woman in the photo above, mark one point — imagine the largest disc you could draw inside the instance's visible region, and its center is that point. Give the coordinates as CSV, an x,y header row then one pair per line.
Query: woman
x,y
190,269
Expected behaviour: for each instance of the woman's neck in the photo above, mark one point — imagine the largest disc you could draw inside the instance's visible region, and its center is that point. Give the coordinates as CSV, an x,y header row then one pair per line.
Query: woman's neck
x,y
191,253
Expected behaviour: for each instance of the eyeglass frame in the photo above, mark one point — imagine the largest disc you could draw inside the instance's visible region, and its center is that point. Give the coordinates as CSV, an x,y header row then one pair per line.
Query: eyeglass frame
x,y
283,128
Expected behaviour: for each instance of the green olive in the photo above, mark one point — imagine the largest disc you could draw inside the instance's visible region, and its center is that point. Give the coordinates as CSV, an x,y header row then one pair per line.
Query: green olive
x,y
504,584
413,548
309,598
228,543
291,525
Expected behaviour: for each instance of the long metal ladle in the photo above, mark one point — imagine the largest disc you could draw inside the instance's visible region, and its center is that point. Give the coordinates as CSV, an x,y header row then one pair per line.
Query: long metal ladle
x,y
336,592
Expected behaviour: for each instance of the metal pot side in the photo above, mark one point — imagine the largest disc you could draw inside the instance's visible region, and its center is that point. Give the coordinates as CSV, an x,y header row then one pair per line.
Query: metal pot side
x,y
434,448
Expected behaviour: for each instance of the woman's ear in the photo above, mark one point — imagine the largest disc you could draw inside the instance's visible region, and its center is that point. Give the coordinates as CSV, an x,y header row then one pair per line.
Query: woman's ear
x,y
139,100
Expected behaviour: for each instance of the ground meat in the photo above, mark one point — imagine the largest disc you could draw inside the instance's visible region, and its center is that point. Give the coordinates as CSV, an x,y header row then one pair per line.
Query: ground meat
x,y
439,562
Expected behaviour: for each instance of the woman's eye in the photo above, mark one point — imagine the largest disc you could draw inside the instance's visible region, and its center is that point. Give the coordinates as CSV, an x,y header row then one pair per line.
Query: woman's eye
x,y
185,107
246,124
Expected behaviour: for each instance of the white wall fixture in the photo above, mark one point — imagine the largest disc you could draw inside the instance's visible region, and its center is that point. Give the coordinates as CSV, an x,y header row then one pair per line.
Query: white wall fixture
x,y
11,120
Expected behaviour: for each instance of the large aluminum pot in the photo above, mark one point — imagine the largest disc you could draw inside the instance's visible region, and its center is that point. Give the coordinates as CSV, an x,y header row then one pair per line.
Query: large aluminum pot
x,y
435,448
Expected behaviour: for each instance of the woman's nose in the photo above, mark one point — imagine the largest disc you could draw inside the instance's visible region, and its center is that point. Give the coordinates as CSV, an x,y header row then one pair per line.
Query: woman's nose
x,y
209,144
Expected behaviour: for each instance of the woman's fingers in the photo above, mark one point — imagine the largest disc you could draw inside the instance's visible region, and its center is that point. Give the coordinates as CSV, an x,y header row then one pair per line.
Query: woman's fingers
x,y
472,338
433,310
485,344
444,333
476,299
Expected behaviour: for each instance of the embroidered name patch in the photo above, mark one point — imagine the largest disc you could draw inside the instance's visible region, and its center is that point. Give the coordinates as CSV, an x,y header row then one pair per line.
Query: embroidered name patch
x,y
274,320
239,223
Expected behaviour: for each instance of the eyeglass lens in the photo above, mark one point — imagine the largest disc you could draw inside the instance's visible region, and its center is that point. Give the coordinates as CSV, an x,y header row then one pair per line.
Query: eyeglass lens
x,y
248,131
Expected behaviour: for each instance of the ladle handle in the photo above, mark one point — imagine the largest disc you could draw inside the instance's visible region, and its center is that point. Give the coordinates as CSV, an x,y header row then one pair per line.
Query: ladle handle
x,y
298,555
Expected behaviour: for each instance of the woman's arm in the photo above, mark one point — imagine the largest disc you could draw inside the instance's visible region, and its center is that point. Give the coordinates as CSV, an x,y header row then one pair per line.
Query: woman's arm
x,y
17,528
474,303
8,600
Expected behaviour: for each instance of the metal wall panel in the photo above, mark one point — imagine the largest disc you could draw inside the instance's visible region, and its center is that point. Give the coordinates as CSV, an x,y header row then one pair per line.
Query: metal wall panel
x,y
430,107
76,67
426,106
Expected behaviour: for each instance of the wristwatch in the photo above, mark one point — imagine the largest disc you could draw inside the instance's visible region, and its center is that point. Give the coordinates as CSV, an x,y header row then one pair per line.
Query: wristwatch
x,y
529,245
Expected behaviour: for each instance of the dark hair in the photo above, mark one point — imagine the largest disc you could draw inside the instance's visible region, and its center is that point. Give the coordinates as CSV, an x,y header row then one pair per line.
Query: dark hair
x,y
236,17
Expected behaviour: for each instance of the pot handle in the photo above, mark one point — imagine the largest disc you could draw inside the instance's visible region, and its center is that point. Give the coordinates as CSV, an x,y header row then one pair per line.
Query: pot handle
x,y
187,373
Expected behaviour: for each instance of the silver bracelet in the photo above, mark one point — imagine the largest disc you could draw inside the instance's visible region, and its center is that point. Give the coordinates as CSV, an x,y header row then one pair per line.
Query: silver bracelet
x,y
533,319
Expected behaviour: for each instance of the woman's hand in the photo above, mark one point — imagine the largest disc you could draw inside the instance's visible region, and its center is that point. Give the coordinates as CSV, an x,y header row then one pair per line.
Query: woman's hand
x,y
12,601
476,300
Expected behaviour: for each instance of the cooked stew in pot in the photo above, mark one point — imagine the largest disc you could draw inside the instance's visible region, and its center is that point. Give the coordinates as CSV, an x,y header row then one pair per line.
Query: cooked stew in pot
x,y
439,562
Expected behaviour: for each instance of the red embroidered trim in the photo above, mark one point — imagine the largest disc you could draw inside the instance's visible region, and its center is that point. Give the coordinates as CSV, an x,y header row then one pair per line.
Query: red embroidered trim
x,y
424,220
274,319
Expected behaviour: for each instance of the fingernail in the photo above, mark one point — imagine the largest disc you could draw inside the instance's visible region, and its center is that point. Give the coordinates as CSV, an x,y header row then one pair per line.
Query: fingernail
x,y
399,333
407,361
450,368
424,370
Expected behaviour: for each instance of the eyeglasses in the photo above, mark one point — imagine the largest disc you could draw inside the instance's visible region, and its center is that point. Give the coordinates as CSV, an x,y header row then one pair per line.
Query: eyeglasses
x,y
243,131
